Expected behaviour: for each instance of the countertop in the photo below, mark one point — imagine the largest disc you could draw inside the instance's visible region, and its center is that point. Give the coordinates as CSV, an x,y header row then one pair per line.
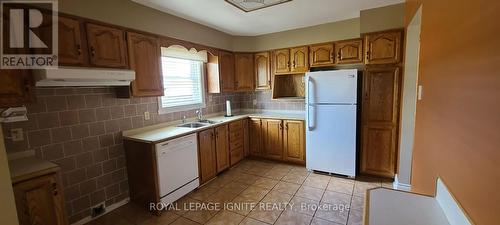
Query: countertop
x,y
162,132
25,168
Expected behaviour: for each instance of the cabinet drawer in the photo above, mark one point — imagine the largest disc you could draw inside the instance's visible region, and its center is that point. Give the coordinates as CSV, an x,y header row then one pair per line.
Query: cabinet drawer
x,y
236,136
235,126
236,156
236,144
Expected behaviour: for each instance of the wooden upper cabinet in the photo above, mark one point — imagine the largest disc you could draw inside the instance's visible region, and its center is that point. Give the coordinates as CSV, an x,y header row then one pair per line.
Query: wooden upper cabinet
x,y
293,141
349,51
107,46
72,43
222,147
383,47
40,201
262,71
144,58
207,155
255,130
381,95
244,71
281,60
226,71
16,87
300,59
272,134
321,55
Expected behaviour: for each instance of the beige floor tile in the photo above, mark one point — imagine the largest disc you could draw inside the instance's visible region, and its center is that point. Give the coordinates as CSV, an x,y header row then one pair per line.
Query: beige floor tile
x,y
235,187
342,187
226,218
304,205
341,179
357,203
282,167
310,193
218,182
355,217
254,193
286,187
336,198
203,193
299,172
360,188
221,197
182,205
242,205
183,221
201,215
293,178
265,183
110,219
317,182
276,175
247,178
292,218
258,170
164,219
265,215
319,221
332,212
133,213
277,197
250,221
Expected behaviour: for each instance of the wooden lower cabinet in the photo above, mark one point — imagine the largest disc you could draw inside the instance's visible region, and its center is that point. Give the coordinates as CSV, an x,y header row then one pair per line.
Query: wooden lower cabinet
x,y
379,155
255,136
236,141
207,155
16,87
222,147
293,141
40,201
272,134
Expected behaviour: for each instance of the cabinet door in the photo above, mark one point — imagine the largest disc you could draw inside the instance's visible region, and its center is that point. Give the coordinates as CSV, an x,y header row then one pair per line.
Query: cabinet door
x,y
226,70
39,201
72,46
281,60
383,48
262,71
255,127
244,70
107,46
293,141
272,132
349,52
380,116
207,155
16,87
145,56
379,150
222,147
300,59
321,55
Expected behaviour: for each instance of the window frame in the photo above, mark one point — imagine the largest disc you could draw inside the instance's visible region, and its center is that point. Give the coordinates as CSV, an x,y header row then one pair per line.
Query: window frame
x,y
202,105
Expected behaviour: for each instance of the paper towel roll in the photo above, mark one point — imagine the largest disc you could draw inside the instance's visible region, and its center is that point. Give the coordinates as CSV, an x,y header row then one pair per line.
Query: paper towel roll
x,y
228,108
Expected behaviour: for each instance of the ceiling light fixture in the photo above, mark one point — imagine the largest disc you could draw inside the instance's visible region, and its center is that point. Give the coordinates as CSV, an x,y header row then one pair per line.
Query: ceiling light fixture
x,y
252,5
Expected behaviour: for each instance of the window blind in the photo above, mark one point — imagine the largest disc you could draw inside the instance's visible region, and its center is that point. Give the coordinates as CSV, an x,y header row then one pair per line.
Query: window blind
x,y
182,82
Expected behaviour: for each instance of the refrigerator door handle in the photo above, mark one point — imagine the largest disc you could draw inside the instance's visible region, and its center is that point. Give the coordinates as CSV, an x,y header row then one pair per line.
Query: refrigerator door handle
x,y
309,105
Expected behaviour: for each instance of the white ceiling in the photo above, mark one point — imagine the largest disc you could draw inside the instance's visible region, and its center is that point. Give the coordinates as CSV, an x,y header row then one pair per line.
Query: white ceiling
x,y
225,17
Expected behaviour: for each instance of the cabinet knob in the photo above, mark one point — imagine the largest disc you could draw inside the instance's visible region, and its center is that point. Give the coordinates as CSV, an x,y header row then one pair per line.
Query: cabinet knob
x,y
286,126
78,49
92,51
338,55
368,55
293,65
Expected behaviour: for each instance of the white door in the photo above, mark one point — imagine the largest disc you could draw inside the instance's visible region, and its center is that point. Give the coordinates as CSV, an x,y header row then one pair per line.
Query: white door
x,y
336,86
331,138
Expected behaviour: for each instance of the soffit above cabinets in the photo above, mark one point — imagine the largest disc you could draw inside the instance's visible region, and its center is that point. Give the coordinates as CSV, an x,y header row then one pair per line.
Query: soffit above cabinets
x,y
225,17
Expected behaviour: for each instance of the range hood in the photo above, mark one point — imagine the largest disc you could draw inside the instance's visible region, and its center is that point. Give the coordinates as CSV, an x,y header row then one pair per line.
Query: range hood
x,y
81,77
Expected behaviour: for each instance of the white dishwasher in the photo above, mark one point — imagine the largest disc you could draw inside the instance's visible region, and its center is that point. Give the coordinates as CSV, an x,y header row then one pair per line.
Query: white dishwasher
x,y
177,161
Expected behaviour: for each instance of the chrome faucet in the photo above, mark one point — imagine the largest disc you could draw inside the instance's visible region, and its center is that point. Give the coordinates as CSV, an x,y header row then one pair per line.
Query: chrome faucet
x,y
184,119
199,114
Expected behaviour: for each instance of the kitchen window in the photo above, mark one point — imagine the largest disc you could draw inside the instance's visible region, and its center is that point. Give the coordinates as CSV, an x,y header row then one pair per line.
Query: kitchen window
x,y
183,80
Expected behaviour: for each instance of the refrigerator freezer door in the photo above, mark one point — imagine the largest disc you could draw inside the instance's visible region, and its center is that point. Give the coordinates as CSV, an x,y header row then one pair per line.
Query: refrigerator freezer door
x,y
335,86
331,143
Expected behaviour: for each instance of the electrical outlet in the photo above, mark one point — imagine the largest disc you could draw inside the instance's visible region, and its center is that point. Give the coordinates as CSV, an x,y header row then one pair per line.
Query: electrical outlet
x,y
17,134
210,98
147,116
98,210
254,102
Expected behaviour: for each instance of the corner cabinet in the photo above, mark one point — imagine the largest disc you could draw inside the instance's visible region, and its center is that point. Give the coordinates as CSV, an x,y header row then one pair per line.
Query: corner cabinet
x,y
244,71
380,121
107,46
349,51
145,59
262,71
383,47
322,55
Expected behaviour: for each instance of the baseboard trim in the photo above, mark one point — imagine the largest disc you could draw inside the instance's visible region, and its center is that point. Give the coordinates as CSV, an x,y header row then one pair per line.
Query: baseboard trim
x,y
109,209
451,208
400,186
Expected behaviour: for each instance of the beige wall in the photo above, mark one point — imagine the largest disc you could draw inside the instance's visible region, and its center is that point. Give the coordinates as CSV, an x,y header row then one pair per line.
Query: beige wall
x,y
340,30
7,206
383,18
129,14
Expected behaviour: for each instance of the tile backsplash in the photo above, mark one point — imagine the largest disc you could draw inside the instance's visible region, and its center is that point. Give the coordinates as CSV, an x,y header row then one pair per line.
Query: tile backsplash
x,y
265,102
80,129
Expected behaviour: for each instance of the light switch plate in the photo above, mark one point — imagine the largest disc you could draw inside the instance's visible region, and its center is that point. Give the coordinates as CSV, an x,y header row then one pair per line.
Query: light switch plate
x,y
419,92
254,102
17,134
147,116
210,98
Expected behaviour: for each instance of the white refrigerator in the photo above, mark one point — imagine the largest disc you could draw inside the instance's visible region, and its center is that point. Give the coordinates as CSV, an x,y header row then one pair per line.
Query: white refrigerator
x,y
331,121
